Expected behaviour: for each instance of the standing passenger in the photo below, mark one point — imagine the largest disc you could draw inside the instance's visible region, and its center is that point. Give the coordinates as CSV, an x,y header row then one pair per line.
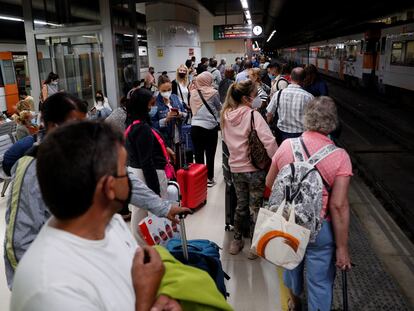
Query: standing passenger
x,y
50,86
292,104
331,245
313,82
225,84
180,85
170,113
205,106
248,180
215,72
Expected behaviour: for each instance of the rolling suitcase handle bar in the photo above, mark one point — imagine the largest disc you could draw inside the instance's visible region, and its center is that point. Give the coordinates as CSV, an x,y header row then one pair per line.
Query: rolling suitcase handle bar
x,y
183,236
344,291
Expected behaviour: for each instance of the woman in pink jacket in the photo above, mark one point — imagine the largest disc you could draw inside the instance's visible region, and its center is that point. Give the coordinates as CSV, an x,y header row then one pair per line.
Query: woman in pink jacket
x,y
248,181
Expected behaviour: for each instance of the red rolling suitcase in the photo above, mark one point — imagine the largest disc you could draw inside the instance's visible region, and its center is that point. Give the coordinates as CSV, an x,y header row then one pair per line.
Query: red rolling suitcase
x,y
193,185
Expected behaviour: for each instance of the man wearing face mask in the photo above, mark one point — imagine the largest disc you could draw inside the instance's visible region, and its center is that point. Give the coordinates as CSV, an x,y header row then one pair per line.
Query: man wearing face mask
x,y
27,212
85,256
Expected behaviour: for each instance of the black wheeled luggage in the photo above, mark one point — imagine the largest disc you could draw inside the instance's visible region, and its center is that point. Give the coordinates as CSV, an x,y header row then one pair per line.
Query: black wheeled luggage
x,y
230,205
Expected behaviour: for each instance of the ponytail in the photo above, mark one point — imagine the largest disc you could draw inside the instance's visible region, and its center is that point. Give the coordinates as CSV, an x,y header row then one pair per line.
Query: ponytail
x,y
234,97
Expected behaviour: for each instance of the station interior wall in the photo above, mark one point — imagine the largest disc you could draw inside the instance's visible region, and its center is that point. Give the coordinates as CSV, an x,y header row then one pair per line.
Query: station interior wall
x,y
228,49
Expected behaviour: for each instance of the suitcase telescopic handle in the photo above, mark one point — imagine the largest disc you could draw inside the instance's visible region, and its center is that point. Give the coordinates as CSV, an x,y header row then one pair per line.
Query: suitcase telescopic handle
x,y
184,243
344,290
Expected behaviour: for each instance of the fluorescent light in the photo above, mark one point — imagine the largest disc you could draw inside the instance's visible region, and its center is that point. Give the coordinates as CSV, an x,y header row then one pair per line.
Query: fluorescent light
x,y
247,13
244,4
39,22
257,44
271,35
9,18
89,37
128,35
249,21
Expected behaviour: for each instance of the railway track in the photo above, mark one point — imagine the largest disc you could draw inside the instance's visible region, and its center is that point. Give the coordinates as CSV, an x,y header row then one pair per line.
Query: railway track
x,y
378,136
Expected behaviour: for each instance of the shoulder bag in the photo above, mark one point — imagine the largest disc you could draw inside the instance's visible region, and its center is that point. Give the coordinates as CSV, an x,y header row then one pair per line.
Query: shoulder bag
x,y
257,151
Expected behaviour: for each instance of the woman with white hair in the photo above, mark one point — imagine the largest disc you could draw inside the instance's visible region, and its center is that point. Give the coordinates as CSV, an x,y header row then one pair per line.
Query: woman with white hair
x,y
331,246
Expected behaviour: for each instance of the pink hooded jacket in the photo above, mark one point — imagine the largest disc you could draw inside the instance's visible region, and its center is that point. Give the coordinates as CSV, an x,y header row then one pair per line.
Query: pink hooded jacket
x,y
236,133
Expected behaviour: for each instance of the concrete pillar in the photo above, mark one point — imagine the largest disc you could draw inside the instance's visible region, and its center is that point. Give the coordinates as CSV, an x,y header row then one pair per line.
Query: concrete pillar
x,y
173,34
31,52
109,52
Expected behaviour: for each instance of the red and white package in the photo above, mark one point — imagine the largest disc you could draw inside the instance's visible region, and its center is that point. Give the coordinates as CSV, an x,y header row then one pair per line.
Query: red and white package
x,y
158,231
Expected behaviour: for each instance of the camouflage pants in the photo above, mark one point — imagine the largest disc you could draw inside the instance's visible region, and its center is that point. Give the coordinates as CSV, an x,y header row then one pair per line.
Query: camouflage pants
x,y
249,192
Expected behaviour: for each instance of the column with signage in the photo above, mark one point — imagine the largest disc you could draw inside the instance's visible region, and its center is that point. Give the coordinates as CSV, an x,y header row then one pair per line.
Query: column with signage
x,y
173,34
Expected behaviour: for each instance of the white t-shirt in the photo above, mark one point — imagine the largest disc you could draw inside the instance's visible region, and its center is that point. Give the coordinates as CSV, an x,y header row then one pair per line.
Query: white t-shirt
x,y
62,271
184,91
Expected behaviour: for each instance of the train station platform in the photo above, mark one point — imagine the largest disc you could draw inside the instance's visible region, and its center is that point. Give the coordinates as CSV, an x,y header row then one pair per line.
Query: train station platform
x,y
381,280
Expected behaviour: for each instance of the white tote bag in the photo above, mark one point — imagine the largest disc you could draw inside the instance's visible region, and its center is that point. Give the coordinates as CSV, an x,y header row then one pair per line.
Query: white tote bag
x,y
280,241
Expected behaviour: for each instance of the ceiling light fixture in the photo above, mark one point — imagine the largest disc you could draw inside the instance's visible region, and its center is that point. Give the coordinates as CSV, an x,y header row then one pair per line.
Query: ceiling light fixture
x,y
271,36
128,35
244,4
247,13
39,22
9,18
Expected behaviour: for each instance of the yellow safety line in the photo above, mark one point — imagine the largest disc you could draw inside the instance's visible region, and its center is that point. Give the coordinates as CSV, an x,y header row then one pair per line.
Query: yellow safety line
x,y
284,292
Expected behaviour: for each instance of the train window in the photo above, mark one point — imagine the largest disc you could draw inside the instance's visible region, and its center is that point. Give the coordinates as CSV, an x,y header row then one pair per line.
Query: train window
x,y
351,52
383,42
397,53
409,53
8,72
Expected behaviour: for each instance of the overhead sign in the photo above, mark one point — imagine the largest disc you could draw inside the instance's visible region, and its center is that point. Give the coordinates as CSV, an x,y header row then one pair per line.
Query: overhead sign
x,y
238,31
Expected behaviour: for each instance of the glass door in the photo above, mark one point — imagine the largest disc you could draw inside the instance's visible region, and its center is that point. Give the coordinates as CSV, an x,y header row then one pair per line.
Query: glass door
x,y
78,60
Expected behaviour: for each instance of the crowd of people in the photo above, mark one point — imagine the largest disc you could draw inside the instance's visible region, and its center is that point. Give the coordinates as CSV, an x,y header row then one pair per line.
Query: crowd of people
x,y
65,245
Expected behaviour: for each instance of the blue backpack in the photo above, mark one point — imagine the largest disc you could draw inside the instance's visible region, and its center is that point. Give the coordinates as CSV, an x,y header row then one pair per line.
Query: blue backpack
x,y
202,254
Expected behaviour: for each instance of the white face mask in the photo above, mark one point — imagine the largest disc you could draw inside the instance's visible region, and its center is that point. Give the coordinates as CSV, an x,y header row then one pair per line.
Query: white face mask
x,y
166,95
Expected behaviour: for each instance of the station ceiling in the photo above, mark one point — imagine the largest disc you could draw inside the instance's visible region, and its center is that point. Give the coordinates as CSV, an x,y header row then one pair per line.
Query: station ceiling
x,y
298,22
295,21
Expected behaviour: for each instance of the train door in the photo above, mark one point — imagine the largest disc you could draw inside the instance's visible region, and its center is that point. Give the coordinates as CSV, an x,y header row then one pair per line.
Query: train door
x,y
9,94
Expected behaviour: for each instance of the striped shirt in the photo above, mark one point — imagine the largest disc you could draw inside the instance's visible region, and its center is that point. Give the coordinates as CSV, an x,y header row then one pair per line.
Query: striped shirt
x,y
293,102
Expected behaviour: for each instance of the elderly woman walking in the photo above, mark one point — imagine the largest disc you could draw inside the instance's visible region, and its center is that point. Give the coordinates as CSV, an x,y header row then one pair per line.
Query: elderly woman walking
x,y
331,245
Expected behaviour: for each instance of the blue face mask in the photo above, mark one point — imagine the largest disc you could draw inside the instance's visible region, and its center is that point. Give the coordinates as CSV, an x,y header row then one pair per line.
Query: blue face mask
x,y
272,77
153,111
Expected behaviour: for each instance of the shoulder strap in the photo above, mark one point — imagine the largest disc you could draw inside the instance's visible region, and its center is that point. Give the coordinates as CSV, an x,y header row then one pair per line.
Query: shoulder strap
x,y
319,156
297,150
280,79
278,100
252,127
126,133
181,92
162,144
207,105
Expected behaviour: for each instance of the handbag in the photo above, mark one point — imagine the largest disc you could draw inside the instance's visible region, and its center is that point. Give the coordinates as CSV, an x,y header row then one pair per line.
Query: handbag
x,y
209,109
169,168
280,241
257,151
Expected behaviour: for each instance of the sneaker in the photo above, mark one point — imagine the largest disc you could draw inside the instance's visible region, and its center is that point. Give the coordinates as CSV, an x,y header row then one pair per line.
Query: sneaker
x,y
251,255
236,246
211,183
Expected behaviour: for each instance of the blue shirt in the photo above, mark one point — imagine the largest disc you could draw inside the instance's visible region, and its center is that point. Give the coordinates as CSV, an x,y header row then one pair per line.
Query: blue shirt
x,y
17,151
318,88
158,120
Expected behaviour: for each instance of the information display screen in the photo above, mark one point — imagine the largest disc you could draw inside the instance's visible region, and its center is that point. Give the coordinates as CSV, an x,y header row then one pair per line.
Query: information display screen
x,y
240,31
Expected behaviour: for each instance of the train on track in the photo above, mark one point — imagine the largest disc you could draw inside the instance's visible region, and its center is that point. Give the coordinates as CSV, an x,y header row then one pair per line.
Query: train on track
x,y
382,57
